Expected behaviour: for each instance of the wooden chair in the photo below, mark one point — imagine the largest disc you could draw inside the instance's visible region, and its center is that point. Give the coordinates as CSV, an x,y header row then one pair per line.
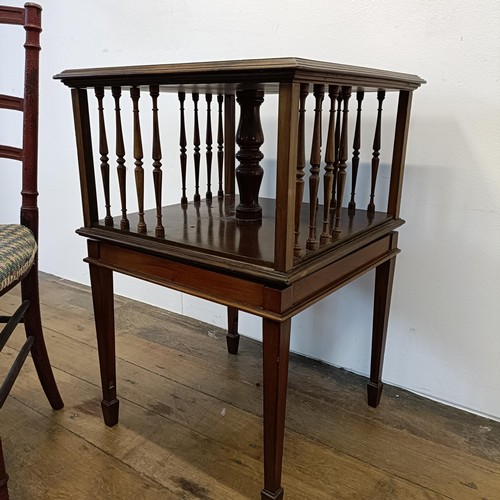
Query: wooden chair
x,y
266,256
18,242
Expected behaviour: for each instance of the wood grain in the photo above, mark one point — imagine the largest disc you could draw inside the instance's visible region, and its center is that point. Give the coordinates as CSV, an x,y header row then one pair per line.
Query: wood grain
x,y
231,72
190,425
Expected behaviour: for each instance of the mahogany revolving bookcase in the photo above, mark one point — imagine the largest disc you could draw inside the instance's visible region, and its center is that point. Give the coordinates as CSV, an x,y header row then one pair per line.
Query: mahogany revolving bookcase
x,y
272,257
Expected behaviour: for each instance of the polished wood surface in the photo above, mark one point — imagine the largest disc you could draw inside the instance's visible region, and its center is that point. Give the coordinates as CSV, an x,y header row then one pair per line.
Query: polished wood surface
x,y
212,227
190,424
224,75
269,257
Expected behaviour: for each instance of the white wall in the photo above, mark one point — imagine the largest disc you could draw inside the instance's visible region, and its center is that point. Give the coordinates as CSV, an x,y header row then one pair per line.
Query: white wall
x,y
444,337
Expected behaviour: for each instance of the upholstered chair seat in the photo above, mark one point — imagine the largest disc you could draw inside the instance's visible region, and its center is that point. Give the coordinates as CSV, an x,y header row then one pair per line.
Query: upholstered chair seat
x,y
17,252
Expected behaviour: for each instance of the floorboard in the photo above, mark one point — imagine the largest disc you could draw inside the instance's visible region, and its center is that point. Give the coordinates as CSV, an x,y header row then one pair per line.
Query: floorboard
x,y
190,420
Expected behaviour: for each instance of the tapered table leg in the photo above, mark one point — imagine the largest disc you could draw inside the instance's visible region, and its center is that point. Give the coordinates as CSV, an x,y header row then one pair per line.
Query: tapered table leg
x,y
383,289
232,337
102,296
276,345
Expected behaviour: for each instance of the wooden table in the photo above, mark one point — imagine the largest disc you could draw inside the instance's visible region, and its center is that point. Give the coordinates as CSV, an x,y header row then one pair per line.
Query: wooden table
x,y
270,257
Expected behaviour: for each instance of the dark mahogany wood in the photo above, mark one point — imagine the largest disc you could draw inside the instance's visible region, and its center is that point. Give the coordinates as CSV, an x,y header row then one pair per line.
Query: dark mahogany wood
x,y
376,151
333,203
138,156
104,151
399,152
342,174
120,160
220,145
4,477
355,154
276,345
333,92
384,276
312,242
249,138
286,177
183,144
301,165
101,280
154,91
232,337
28,312
196,145
229,144
209,141
240,250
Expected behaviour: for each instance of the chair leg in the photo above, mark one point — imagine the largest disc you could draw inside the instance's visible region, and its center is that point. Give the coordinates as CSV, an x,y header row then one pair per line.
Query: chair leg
x,y
4,477
276,345
33,327
232,337
384,276
102,296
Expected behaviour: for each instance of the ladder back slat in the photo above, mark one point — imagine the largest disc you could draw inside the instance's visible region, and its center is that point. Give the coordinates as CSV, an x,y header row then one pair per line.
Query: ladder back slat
x,y
11,153
12,15
11,102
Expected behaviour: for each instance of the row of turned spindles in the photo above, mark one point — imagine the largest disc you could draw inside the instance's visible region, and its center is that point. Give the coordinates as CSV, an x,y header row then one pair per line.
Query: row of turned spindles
x,y
154,92
335,160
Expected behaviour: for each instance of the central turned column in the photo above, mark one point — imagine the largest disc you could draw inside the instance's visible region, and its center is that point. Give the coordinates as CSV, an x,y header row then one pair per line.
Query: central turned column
x,y
249,138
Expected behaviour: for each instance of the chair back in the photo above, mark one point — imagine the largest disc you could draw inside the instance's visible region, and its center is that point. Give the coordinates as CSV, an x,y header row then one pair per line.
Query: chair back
x,y
28,17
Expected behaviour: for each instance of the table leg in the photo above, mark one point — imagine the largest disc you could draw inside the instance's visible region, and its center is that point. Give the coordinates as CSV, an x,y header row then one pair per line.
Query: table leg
x,y
232,337
383,289
102,296
276,345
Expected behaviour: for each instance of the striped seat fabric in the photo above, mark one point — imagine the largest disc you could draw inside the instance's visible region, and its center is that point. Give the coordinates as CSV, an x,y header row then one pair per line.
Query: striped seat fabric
x,y
17,252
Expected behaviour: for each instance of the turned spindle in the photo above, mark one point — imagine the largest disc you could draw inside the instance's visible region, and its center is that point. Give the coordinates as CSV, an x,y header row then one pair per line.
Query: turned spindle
x,y
356,144
154,92
183,144
301,165
120,159
333,203
376,151
220,145
208,141
315,161
249,138
104,151
341,176
138,156
333,92
196,145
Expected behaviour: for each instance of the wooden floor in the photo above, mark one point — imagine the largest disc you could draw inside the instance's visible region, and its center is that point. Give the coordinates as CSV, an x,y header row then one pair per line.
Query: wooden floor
x,y
190,424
